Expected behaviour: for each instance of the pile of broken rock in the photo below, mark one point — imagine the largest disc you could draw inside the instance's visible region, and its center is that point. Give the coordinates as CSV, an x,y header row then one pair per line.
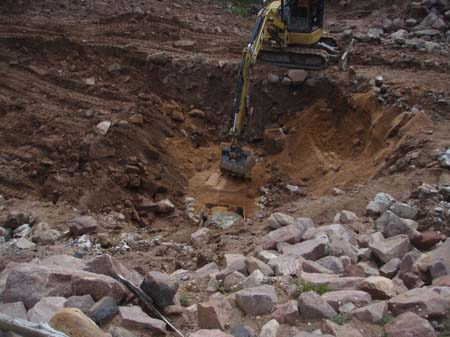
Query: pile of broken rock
x,y
305,281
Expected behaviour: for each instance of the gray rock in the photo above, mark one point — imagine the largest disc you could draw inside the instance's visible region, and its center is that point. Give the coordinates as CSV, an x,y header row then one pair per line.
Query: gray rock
x,y
390,268
267,255
379,287
311,305
233,262
433,302
83,303
332,263
372,313
43,310
409,325
297,76
311,250
412,280
209,333
385,250
216,313
290,234
345,217
44,235
370,268
273,78
233,282
285,265
255,279
15,219
253,264
242,331
425,262
391,225
160,287
270,329
278,220
438,269
408,261
333,281
31,283
16,310
341,297
343,330
383,201
314,267
286,313
444,160
411,22
82,225
103,310
23,243
200,237
134,318
404,210
257,301
118,331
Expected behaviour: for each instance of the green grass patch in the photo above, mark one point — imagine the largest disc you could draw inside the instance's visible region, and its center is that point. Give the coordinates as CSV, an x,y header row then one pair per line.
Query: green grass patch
x,y
444,328
302,286
386,319
185,300
341,319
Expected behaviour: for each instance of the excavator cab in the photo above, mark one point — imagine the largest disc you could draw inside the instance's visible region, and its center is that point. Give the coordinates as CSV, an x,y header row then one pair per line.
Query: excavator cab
x,y
302,16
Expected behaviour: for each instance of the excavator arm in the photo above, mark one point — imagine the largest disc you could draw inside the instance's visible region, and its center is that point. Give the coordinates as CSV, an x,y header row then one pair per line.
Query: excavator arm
x,y
234,159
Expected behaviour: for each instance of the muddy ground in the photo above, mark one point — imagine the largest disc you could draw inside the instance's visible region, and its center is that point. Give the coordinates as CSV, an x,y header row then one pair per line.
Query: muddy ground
x,y
164,75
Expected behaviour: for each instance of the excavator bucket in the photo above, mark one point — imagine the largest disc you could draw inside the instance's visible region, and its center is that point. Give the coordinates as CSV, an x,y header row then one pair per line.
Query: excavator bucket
x,y
236,162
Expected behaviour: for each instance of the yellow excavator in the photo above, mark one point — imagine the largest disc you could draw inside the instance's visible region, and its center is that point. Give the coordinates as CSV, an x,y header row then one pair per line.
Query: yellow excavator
x,y
287,33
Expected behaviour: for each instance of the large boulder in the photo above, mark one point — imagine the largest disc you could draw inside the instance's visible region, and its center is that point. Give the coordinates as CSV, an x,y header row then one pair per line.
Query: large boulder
x,y
341,297
257,301
161,287
311,305
409,325
30,283
433,302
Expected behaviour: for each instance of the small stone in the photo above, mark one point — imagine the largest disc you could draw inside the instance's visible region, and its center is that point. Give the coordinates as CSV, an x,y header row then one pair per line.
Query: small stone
x,y
272,78
137,119
311,249
242,331
345,217
253,264
396,246
404,210
297,76
255,279
184,43
426,240
233,262
290,234
234,281
343,330
118,331
103,127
